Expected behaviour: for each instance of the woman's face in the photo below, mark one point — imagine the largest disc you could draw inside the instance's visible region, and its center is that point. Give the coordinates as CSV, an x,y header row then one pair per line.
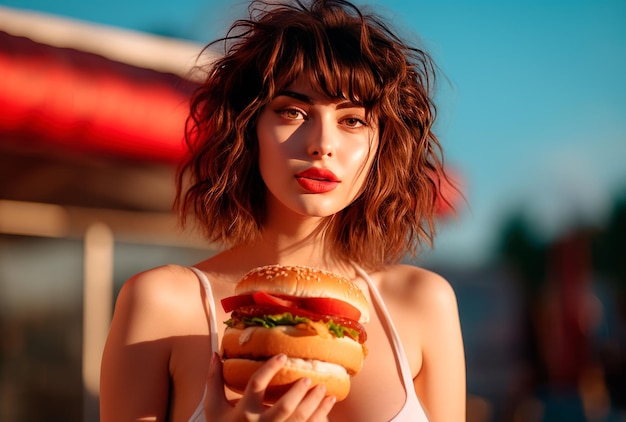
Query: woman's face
x,y
314,152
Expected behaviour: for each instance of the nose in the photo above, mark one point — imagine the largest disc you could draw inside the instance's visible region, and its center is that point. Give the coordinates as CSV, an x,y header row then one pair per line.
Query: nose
x,y
321,139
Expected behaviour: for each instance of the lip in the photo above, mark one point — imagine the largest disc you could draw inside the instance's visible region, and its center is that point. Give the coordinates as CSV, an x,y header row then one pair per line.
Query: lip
x,y
317,180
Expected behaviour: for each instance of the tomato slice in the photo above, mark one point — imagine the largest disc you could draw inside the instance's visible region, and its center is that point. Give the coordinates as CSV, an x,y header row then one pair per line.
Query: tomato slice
x,y
319,305
264,298
233,302
331,306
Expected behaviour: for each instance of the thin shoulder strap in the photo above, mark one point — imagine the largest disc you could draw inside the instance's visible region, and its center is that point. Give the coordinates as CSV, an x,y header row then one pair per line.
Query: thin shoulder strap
x,y
212,317
412,409
407,377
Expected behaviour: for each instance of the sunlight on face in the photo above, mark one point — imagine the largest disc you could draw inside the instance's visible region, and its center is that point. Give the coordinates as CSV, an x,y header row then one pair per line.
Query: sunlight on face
x,y
315,152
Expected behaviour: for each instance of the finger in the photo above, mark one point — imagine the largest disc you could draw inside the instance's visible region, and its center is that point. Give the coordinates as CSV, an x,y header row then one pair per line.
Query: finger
x,y
215,400
311,402
320,414
255,390
293,405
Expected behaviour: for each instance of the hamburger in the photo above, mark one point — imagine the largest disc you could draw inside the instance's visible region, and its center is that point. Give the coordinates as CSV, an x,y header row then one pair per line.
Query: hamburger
x,y
311,315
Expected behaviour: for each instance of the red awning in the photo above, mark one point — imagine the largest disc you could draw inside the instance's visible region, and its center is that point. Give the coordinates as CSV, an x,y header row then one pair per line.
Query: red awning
x,y
83,102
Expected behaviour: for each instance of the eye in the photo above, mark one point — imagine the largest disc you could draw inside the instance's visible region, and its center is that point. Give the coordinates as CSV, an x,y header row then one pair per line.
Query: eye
x,y
354,122
291,113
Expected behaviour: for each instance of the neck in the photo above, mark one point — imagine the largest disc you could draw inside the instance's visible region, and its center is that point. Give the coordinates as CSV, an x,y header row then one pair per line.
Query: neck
x,y
294,242
299,241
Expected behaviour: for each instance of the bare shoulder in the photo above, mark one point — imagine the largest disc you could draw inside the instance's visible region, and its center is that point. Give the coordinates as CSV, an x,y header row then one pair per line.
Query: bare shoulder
x,y
159,279
417,287
150,298
160,286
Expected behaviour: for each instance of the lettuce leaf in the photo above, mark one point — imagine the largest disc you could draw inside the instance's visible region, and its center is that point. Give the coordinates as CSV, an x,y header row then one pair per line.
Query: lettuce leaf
x,y
271,321
287,318
341,331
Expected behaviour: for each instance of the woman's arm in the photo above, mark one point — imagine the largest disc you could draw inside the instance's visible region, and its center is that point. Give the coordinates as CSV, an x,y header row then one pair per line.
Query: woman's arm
x,y
134,374
440,384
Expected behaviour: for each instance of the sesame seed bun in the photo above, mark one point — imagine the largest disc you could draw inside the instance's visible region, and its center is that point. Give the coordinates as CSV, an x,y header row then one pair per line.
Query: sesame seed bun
x,y
304,282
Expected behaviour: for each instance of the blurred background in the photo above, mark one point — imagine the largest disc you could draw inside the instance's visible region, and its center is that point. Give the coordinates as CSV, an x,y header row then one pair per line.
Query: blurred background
x,y
532,116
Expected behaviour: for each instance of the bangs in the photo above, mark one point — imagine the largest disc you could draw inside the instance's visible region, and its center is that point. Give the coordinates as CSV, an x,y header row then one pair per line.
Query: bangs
x,y
331,60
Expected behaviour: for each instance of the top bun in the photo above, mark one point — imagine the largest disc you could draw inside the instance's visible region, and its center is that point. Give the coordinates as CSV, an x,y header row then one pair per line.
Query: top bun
x,y
303,282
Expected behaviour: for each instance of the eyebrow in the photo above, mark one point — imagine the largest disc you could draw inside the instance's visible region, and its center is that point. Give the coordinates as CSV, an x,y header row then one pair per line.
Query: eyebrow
x,y
296,95
306,99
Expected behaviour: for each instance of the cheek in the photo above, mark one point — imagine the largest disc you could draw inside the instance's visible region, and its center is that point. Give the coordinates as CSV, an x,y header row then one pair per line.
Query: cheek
x,y
271,154
364,170
273,161
272,141
267,144
361,159
361,175
269,165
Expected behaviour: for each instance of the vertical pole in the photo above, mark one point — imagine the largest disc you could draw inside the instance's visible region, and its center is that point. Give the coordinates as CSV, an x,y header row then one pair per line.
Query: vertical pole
x,y
97,310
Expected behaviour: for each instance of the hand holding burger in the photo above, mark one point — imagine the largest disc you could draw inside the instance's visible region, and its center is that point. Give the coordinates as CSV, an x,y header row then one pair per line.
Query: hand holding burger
x,y
311,315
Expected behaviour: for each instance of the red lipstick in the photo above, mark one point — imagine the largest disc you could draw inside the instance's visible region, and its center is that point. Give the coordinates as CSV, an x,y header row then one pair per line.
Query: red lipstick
x,y
317,180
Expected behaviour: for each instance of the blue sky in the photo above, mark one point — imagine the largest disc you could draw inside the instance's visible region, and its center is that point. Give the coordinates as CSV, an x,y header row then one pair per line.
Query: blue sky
x,y
533,111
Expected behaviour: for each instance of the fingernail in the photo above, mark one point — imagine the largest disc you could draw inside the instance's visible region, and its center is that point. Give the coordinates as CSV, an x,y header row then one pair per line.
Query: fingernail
x,y
281,357
306,381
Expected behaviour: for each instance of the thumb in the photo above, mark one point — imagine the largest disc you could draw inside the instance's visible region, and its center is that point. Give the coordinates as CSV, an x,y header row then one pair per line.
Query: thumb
x,y
215,401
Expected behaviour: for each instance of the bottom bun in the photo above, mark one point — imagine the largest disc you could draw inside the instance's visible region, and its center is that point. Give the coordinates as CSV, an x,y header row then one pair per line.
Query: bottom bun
x,y
237,372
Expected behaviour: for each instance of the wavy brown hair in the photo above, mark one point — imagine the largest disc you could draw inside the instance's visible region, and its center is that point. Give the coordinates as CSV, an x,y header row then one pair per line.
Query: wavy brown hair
x,y
346,53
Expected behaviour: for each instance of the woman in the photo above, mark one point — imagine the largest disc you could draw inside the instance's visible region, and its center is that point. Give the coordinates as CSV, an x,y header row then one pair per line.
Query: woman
x,y
310,144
